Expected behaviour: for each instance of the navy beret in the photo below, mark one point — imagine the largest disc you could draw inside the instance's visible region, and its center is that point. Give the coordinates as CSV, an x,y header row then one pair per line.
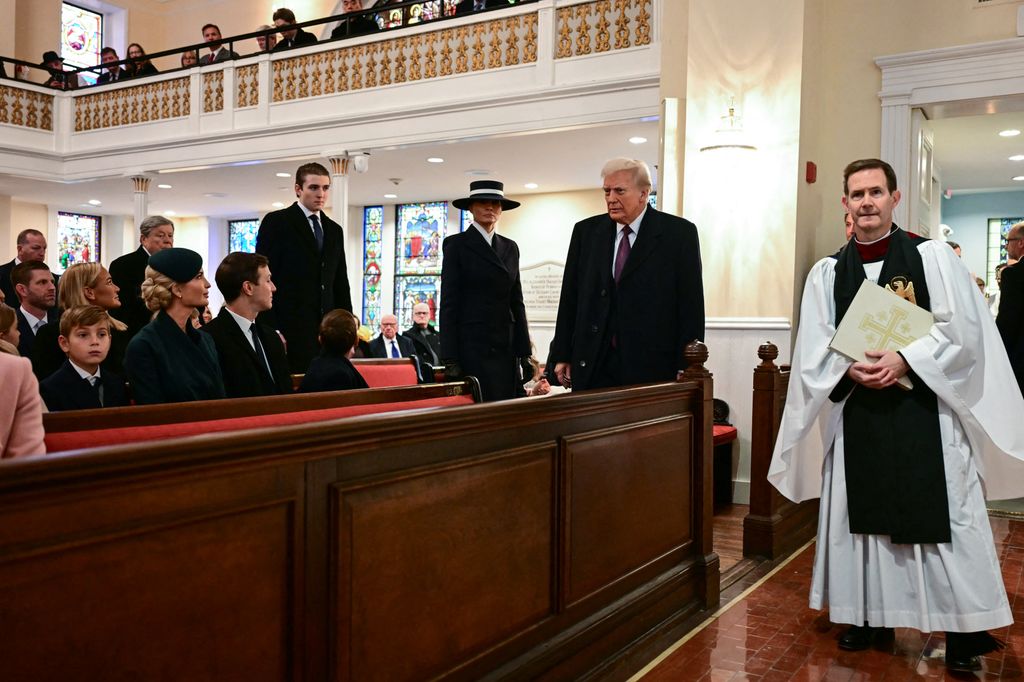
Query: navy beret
x,y
181,265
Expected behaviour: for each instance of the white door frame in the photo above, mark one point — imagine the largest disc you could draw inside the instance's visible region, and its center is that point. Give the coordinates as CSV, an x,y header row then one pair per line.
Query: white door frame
x,y
949,74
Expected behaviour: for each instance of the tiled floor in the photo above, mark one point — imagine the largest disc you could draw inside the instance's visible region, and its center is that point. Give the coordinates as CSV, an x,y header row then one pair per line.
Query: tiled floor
x,y
772,635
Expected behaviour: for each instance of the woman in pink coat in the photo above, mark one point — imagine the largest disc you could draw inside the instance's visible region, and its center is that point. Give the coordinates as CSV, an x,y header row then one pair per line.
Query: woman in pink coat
x,y
21,409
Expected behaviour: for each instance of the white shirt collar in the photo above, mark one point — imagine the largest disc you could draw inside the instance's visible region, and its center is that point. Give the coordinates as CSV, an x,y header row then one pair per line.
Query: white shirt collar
x,y
635,225
243,322
146,250
17,261
83,373
307,212
488,236
33,321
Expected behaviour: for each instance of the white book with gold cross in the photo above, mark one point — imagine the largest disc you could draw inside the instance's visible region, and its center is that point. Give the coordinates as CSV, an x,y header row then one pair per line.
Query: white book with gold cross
x,y
880,319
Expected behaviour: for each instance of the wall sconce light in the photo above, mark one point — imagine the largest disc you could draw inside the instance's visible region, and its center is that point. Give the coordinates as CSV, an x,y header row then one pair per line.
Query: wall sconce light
x,y
730,135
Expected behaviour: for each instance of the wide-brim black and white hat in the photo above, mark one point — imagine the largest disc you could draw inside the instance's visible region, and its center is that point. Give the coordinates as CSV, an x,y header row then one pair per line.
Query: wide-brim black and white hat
x,y
486,190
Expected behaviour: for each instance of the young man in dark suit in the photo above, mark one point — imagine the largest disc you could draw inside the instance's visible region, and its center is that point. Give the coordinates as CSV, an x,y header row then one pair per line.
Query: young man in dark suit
x,y
80,384
632,296
108,55
483,318
252,357
306,251
284,19
156,233
34,287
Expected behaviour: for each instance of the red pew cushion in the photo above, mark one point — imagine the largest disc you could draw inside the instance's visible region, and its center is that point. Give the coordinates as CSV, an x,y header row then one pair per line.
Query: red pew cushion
x,y
73,440
384,376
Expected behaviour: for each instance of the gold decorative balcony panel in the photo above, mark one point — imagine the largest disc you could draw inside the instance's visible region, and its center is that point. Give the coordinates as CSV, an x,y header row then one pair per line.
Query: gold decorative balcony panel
x,y
602,26
213,91
159,101
26,108
247,84
474,47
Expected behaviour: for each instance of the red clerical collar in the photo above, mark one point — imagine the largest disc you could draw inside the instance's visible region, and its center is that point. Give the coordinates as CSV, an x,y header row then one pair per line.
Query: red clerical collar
x,y
875,251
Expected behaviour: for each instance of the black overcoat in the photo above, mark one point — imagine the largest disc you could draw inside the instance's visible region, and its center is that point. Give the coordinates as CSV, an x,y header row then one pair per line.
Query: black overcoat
x,y
244,373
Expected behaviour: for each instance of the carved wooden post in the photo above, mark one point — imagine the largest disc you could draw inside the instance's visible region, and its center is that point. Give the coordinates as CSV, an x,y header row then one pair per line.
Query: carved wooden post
x,y
696,354
774,526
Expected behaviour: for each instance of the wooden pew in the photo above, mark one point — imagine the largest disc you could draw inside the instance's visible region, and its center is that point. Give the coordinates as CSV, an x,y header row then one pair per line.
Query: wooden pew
x,y
89,428
533,539
775,526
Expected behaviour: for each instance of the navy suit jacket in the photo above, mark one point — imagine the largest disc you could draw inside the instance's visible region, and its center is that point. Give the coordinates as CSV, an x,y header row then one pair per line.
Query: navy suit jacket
x,y
331,372
656,309
27,341
66,390
309,282
244,373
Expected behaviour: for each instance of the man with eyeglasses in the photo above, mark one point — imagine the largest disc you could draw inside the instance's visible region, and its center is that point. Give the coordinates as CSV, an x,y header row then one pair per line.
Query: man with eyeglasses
x,y
1010,319
424,337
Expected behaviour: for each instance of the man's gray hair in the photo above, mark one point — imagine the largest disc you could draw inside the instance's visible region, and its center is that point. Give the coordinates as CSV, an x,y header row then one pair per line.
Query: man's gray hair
x,y
153,222
640,170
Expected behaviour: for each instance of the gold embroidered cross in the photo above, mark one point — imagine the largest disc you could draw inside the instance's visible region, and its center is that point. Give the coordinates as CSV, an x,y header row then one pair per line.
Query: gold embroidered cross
x,y
885,326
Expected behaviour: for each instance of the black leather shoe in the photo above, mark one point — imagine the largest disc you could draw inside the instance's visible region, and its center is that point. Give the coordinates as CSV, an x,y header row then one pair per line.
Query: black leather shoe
x,y
860,637
963,665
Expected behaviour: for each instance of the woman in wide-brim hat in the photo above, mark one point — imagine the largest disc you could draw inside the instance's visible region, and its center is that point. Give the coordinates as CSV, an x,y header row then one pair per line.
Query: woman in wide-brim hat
x,y
483,320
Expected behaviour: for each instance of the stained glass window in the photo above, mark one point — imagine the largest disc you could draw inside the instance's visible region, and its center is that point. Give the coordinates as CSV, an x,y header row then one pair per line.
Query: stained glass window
x,y
652,200
373,219
81,38
997,230
465,220
419,231
242,235
78,239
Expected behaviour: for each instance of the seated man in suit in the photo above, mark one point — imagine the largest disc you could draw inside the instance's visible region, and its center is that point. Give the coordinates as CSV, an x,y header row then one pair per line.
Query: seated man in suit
x,y
31,245
284,18
332,370
34,286
218,53
424,337
354,26
391,344
108,55
252,357
156,233
80,384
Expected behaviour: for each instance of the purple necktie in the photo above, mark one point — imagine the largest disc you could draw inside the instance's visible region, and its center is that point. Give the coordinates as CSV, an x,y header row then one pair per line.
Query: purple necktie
x,y
622,255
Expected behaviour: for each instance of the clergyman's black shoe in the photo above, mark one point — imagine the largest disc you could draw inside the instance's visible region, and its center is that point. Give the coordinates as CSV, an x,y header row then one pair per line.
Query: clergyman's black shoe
x,y
860,637
963,665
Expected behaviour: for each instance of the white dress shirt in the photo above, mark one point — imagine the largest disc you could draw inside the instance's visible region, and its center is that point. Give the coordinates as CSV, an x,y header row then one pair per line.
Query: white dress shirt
x,y
488,236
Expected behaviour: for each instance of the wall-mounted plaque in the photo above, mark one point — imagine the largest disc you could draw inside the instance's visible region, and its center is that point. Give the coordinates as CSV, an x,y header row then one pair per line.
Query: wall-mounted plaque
x,y
542,284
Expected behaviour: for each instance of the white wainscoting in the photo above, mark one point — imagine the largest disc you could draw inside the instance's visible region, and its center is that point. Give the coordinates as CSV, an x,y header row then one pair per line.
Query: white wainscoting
x,y
732,346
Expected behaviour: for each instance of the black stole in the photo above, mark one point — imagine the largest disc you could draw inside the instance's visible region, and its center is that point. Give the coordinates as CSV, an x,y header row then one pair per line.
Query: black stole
x,y
895,478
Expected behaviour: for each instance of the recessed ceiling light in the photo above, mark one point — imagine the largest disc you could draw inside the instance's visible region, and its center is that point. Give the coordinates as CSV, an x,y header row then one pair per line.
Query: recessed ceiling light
x,y
390,196
215,195
95,202
435,159
1019,178
531,185
283,175
1017,157
277,204
1011,132
638,140
164,186
477,171
170,213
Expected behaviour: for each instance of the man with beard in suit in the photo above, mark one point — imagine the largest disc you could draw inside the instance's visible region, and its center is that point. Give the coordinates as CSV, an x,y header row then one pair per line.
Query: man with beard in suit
x,y
218,53
482,311
306,253
34,287
252,357
632,295
156,233
31,245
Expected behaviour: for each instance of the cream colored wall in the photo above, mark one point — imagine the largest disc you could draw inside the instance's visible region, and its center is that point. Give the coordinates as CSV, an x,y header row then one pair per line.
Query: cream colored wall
x,y
37,29
543,224
856,32
744,202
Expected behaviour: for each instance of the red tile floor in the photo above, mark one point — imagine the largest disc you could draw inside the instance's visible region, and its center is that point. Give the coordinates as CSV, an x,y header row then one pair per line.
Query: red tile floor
x,y
772,635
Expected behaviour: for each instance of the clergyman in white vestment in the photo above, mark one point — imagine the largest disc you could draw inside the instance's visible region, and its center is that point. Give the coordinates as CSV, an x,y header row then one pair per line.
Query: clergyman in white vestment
x,y
872,579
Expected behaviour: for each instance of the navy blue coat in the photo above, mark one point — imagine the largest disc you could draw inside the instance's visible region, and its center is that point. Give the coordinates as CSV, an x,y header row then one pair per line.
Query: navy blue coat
x,y
331,372
167,365
66,390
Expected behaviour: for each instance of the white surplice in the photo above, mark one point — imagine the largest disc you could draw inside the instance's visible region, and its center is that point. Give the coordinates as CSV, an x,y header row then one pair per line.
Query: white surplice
x,y
955,586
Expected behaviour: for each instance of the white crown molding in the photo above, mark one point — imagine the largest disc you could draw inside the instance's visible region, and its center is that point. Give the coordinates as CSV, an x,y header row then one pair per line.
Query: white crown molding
x,y
749,323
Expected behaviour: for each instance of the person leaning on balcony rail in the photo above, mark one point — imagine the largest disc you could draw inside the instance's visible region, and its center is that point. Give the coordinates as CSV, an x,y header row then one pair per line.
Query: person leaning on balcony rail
x,y
139,64
218,53
169,360
114,72
58,78
354,26
291,37
189,59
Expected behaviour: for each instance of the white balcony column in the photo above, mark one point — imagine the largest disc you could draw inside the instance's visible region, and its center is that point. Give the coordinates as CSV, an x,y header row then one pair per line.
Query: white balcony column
x,y
340,165
140,192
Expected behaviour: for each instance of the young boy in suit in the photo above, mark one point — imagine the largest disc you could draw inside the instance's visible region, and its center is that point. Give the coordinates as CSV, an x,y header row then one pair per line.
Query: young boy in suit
x,y
332,370
79,384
